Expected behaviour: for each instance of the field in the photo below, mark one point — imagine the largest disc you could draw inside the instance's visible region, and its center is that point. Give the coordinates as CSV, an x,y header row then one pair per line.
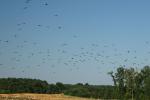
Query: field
x,y
27,96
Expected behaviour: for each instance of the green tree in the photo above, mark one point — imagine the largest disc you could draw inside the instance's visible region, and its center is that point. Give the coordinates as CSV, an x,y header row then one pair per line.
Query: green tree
x,y
60,86
145,74
130,82
120,81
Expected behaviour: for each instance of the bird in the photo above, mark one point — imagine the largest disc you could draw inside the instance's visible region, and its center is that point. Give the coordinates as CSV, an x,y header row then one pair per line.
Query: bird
x,y
23,23
75,36
55,15
6,41
18,24
28,1
59,27
46,4
25,8
15,35
147,42
39,25
64,44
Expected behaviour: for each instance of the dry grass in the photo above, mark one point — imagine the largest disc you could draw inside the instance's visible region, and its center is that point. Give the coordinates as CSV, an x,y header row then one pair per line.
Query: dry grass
x,y
28,96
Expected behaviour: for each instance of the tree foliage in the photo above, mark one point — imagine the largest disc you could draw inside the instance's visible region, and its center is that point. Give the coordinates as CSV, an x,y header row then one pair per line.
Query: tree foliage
x,y
132,84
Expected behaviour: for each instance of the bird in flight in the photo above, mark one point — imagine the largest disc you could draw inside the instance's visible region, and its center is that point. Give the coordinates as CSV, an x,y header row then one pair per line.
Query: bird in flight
x,y
46,4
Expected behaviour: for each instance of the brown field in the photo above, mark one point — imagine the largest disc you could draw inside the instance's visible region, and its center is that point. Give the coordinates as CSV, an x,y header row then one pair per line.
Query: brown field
x,y
28,96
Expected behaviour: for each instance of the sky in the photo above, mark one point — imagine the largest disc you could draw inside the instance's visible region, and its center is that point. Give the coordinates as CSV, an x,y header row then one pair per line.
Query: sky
x,y
73,41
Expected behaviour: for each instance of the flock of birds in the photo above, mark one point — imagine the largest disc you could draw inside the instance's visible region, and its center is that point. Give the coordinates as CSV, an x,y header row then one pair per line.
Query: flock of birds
x,y
94,52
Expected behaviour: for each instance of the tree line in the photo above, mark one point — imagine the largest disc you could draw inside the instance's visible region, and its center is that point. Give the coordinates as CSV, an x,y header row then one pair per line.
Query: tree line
x,y
24,85
129,83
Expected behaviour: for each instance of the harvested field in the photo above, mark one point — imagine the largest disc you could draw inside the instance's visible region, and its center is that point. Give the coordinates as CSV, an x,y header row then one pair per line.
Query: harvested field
x,y
28,96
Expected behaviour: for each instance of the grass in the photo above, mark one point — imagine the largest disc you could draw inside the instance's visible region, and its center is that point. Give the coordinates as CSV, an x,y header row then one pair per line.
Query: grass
x,y
30,96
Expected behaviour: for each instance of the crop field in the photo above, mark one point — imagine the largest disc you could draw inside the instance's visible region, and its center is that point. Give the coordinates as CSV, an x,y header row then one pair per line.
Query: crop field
x,y
27,96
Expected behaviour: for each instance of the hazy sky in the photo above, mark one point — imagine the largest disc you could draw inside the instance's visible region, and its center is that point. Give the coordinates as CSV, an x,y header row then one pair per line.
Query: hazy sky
x,y
73,41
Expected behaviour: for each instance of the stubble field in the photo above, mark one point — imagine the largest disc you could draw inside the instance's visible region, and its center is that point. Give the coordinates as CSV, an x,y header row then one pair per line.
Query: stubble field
x,y
29,96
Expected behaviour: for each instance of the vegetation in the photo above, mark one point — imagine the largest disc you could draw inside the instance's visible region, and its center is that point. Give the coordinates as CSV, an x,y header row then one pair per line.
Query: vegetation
x,y
20,85
129,83
132,84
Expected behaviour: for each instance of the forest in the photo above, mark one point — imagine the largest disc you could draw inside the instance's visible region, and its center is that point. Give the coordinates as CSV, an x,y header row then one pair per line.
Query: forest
x,y
129,83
